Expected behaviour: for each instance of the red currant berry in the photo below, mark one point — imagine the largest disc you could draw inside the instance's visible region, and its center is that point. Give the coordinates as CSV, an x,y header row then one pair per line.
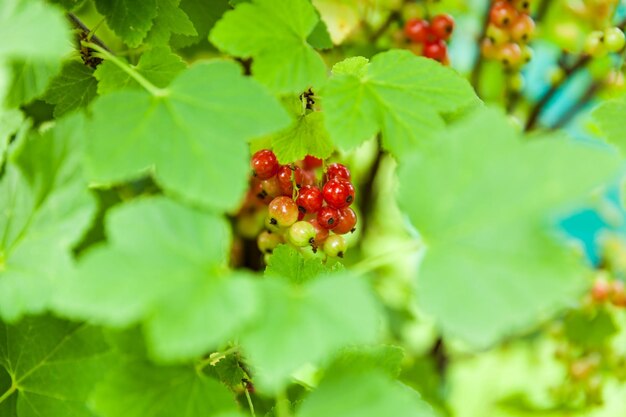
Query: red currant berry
x,y
267,241
310,162
322,233
282,212
310,199
338,193
442,26
510,55
271,187
327,217
601,290
335,245
264,164
523,28
346,222
436,50
285,179
301,234
618,294
305,177
417,30
502,13
337,170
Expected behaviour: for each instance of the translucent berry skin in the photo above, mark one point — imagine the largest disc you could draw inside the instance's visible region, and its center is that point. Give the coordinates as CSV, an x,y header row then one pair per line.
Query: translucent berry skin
x,y
502,13
288,174
417,30
327,217
522,28
338,193
346,222
271,187
264,164
436,50
310,199
601,290
522,6
310,162
268,241
282,212
337,170
335,246
614,39
301,234
510,55
321,233
442,26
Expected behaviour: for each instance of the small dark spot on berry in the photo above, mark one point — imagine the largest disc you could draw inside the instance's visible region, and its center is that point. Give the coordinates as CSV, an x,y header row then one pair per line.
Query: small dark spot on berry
x,y
301,209
340,254
602,38
314,248
312,241
353,230
349,199
331,221
525,37
260,196
268,251
506,21
273,221
449,29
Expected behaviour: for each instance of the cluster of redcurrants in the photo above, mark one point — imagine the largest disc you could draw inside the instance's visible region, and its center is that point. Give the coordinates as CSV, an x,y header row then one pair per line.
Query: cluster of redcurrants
x,y
509,30
607,290
430,37
301,210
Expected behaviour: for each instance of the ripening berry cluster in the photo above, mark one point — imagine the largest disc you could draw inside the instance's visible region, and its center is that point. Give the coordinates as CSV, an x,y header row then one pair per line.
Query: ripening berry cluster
x,y
606,290
509,30
601,42
431,36
302,210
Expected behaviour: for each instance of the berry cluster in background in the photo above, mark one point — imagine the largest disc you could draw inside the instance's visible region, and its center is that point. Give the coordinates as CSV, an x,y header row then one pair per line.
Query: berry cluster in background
x,y
510,28
430,37
304,204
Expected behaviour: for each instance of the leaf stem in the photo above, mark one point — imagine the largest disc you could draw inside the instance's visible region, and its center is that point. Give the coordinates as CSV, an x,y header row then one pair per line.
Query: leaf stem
x,y
250,405
8,392
385,258
104,54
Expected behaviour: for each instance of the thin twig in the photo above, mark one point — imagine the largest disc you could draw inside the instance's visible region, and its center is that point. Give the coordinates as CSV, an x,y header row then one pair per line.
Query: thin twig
x,y
80,25
478,63
579,105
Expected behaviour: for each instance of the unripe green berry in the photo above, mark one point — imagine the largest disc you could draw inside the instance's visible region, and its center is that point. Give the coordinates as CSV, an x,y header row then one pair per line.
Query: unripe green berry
x,y
301,234
614,39
594,44
496,35
335,245
267,241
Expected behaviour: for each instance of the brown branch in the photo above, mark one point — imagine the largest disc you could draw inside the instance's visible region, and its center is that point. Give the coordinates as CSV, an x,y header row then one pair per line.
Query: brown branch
x,y
579,105
478,63
569,71
367,190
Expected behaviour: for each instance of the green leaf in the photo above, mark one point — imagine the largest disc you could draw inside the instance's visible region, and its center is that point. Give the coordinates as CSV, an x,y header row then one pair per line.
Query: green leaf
x,y
33,30
10,121
397,93
158,65
203,15
297,325
320,38
288,263
306,136
385,358
194,138
30,79
164,266
73,88
69,4
590,329
170,19
54,365
136,388
44,211
130,19
492,266
229,372
609,117
275,35
363,394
